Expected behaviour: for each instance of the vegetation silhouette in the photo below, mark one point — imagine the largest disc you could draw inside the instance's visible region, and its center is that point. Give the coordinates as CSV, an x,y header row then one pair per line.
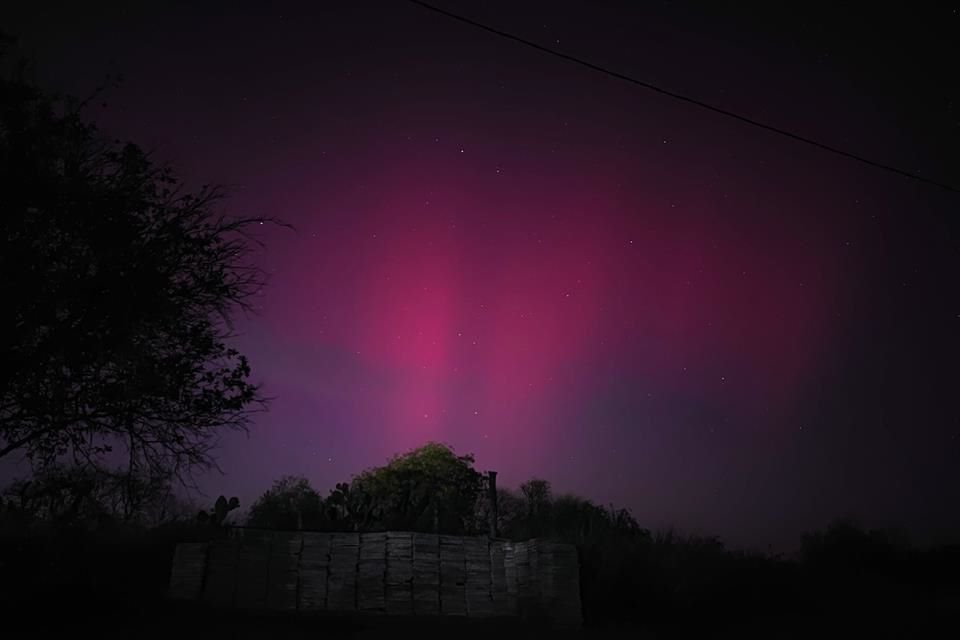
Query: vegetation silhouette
x,y
631,578
118,288
291,503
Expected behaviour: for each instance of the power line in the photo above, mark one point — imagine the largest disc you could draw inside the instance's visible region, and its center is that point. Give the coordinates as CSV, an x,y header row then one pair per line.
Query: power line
x,y
699,103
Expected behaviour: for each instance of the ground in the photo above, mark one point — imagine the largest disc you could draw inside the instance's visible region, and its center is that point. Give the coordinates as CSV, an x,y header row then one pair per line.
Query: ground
x,y
167,620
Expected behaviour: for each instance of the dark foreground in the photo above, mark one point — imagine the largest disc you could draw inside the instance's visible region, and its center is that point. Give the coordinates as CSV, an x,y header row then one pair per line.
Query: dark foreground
x,y
111,588
170,620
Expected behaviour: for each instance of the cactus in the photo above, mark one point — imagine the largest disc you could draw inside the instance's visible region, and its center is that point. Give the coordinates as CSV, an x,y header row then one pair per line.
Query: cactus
x,y
218,514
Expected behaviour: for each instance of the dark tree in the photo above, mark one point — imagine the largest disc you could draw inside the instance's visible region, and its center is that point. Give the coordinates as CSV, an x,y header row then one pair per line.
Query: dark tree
x,y
118,286
427,489
86,496
290,504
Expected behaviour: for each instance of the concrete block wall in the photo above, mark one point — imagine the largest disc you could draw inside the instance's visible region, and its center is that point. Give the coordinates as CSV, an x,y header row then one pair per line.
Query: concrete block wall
x,y
395,573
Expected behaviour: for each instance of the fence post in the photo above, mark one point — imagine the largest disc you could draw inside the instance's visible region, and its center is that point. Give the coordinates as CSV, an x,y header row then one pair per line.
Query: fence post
x,y
492,502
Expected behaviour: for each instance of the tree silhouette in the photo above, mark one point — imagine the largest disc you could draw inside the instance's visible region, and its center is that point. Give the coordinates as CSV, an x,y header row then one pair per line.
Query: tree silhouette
x,y
290,504
428,489
87,496
117,287
538,496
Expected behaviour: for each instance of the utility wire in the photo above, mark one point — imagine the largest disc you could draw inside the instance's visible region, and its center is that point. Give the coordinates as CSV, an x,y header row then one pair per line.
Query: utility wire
x,y
699,103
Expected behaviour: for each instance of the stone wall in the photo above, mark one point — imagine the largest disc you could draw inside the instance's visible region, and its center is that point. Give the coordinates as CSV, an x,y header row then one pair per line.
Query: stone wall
x,y
546,579
394,573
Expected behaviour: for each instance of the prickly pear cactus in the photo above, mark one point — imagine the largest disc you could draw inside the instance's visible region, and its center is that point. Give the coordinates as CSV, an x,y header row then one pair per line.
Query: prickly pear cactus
x,y
218,514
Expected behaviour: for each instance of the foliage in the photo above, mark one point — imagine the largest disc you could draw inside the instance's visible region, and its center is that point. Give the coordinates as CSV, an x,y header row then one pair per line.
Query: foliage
x,y
627,574
536,512
290,504
428,489
118,288
91,497
845,549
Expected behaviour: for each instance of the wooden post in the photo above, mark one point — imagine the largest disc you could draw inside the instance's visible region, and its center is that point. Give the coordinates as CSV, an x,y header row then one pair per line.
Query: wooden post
x,y
296,508
492,502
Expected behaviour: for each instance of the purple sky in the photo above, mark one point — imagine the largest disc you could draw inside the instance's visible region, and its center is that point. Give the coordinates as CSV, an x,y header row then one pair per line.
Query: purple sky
x,y
564,274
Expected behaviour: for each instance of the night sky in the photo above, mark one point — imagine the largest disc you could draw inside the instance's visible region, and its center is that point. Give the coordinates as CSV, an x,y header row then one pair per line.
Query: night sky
x,y
567,275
